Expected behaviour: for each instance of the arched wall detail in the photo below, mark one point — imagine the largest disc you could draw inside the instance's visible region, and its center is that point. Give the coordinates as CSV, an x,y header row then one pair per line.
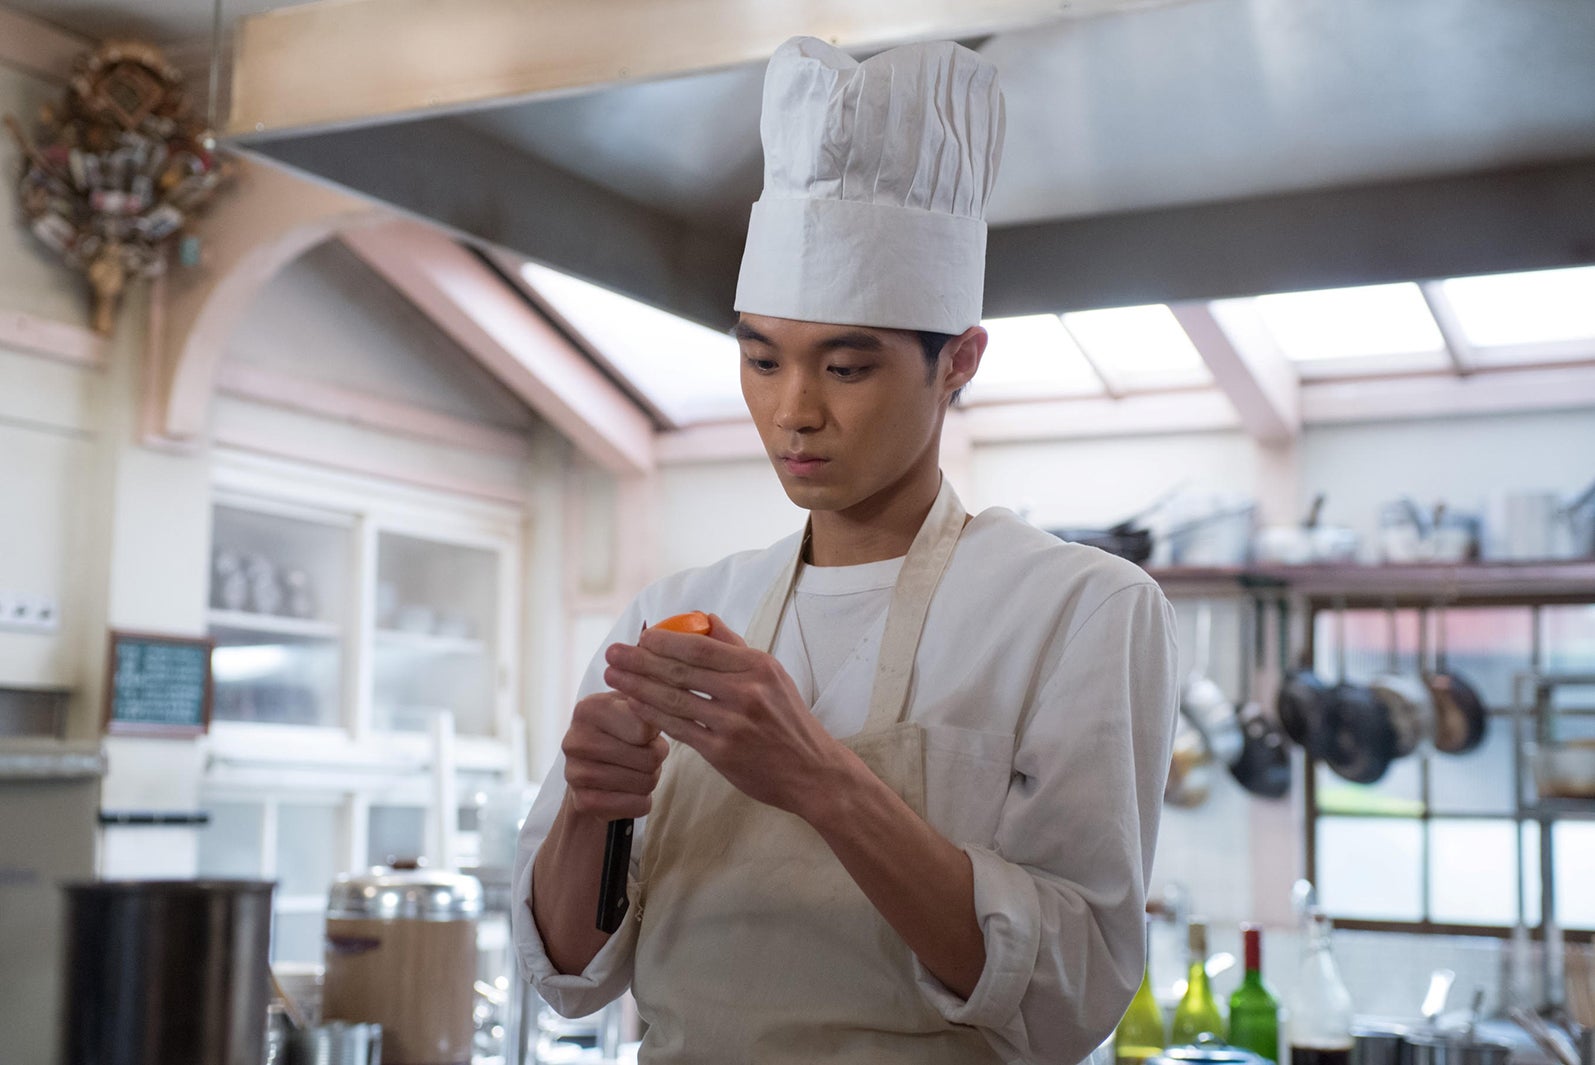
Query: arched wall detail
x,y
267,220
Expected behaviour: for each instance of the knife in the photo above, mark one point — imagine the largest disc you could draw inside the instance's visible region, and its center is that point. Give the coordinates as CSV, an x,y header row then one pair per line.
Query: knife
x,y
612,901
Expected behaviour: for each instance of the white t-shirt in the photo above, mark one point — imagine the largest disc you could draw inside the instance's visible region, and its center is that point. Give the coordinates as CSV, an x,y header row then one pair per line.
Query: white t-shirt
x,y
1046,681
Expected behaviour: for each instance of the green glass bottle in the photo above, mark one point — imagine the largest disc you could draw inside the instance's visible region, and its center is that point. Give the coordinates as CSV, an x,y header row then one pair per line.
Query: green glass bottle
x,y
1253,1011
1197,1018
1139,1035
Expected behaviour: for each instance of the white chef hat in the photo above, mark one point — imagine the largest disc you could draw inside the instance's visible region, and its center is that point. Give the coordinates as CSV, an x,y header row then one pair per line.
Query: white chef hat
x,y
876,176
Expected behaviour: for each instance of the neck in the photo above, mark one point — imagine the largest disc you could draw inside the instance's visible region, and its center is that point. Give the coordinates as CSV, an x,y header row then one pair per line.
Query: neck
x,y
881,527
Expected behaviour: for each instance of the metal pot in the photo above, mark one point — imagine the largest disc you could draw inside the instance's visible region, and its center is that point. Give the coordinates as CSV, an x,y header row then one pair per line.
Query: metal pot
x,y
1454,1048
401,952
166,972
1379,1044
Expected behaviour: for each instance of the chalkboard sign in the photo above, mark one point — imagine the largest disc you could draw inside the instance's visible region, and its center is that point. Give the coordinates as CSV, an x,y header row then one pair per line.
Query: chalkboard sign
x,y
158,685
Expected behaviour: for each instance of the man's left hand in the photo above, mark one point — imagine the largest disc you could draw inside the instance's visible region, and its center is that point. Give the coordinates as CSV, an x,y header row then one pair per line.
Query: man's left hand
x,y
734,705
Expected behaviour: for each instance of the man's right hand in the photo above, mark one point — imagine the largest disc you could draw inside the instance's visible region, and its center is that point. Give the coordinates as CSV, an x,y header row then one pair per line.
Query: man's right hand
x,y
612,759
612,764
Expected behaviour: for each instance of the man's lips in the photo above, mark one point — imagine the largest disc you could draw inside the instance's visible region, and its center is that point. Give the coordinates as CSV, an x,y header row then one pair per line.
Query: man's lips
x,y
799,465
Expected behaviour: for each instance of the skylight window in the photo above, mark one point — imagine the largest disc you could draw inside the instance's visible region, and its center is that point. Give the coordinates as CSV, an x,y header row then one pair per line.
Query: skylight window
x,y
689,372
1368,329
1031,357
1138,348
1550,308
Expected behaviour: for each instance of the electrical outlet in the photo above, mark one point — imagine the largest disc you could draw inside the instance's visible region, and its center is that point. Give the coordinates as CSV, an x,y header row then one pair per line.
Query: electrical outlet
x,y
46,615
20,612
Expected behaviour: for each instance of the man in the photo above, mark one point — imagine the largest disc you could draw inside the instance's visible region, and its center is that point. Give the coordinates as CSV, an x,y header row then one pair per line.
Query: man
x,y
915,769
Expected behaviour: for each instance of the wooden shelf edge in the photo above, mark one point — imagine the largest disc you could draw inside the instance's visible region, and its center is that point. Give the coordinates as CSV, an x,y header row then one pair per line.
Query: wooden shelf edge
x,y
1572,579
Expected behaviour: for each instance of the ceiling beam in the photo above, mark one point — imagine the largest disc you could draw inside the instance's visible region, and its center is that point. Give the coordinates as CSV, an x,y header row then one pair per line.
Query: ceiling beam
x,y
1497,221
1247,367
1448,396
447,172
485,317
341,62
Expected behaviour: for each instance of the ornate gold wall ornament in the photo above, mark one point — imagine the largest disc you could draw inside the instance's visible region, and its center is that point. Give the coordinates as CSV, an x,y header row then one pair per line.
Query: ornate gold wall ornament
x,y
118,170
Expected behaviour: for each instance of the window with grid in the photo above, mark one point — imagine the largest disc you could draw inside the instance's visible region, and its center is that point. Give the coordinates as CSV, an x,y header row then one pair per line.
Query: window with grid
x,y
1442,841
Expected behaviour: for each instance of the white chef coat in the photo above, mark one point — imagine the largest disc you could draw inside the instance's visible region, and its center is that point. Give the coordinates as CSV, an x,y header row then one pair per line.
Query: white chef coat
x,y
1046,681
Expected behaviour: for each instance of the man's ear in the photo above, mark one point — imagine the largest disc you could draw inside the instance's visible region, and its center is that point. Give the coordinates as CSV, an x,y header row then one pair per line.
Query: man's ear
x,y
961,358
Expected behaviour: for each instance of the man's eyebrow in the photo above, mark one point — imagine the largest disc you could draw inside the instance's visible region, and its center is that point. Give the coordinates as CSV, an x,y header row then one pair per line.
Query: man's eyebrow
x,y
744,331
853,339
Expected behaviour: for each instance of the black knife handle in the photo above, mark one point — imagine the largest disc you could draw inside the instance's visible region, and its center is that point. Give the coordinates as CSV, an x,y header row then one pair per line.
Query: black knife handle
x,y
612,901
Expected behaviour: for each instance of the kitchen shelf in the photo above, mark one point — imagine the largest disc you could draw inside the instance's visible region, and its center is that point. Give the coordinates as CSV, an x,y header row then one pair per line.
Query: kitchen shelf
x,y
1560,809
273,624
430,643
1430,582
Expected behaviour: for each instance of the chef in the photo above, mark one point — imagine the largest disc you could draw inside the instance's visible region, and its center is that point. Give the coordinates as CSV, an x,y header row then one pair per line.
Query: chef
x,y
899,804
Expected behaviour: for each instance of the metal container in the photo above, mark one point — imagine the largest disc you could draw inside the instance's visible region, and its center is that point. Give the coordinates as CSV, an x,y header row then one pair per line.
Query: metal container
x,y
338,1043
1454,1048
1379,1044
401,952
166,972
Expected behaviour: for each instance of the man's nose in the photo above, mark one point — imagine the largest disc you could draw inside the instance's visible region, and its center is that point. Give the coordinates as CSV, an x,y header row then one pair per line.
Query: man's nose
x,y
798,407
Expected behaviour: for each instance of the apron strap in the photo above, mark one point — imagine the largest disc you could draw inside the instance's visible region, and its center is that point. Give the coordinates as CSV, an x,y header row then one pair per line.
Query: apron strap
x,y
922,571
905,618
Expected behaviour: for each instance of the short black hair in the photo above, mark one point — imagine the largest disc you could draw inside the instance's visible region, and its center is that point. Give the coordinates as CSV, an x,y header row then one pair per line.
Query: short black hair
x,y
933,343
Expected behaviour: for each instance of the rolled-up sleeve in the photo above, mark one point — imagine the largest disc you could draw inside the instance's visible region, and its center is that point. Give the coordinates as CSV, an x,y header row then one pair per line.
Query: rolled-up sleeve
x,y
1061,895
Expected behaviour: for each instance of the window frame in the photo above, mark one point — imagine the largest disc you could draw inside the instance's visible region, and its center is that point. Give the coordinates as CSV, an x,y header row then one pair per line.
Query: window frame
x,y
1520,816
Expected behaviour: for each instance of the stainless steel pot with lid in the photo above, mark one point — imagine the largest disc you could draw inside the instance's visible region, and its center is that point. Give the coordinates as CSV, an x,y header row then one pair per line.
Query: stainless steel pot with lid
x,y
408,894
401,952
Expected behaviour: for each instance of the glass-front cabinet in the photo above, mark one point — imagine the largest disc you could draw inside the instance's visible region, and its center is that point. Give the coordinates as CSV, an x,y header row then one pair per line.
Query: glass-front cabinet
x,y
365,635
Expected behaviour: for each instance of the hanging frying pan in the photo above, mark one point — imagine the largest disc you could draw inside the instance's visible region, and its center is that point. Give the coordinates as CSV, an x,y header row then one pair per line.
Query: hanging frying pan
x,y
1460,716
1301,699
1406,697
1359,740
1263,767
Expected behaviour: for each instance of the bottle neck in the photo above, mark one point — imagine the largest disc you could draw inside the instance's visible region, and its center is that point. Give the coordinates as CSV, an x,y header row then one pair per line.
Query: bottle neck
x,y
1252,938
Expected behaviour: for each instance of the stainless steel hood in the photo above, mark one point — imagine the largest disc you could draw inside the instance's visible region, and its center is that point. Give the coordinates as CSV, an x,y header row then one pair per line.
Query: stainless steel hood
x,y
1156,151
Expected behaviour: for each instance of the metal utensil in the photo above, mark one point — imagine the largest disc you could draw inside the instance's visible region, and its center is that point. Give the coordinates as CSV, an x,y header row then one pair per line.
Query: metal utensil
x,y
1440,982
1547,1038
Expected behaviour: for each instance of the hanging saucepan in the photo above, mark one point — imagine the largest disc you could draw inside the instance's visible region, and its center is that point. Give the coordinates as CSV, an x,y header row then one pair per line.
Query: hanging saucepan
x,y
1360,738
1204,703
1188,781
1405,697
1264,764
1460,716
1302,697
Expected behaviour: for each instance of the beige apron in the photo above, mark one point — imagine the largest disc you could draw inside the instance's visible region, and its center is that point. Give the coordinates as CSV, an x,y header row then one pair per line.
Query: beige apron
x,y
756,946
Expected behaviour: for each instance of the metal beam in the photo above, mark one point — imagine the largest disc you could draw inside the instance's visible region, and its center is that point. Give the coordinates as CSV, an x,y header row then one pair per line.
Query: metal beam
x,y
341,62
1522,219
474,306
1248,368
447,172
